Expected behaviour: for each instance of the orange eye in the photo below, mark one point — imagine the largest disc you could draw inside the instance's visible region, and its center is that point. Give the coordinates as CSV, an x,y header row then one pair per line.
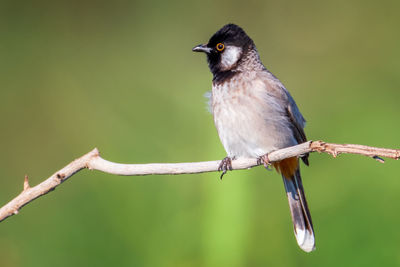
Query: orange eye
x,y
220,47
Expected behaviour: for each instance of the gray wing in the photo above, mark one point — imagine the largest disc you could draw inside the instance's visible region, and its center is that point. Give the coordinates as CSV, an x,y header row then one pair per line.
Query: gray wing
x,y
295,112
298,123
297,120
292,111
277,89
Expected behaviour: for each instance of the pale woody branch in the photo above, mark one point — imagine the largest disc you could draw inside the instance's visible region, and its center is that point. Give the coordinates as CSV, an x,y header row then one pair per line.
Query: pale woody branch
x,y
93,161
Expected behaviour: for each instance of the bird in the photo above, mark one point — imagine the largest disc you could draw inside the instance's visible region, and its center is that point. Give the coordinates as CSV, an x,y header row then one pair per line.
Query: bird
x,y
254,115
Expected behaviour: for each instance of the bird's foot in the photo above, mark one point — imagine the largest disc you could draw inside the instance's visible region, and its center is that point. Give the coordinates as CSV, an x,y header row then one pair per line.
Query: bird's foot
x,y
265,161
225,165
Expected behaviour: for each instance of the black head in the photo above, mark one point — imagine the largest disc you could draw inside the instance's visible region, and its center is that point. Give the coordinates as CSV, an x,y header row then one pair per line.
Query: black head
x,y
225,50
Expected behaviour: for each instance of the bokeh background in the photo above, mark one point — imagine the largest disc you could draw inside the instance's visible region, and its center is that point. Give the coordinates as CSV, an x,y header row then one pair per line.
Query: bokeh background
x,y
121,76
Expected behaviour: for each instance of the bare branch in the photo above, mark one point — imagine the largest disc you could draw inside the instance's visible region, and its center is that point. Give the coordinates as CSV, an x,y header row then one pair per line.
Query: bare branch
x,y
93,161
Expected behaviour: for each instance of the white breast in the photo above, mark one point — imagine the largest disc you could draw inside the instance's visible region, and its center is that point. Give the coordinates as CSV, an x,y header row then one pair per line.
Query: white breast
x,y
250,122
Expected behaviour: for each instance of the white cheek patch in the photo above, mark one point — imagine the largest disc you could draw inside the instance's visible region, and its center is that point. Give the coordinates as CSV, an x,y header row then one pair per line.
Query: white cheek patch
x,y
230,57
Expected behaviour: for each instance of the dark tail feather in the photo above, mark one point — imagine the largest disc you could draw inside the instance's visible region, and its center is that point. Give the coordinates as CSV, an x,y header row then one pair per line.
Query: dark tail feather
x,y
303,228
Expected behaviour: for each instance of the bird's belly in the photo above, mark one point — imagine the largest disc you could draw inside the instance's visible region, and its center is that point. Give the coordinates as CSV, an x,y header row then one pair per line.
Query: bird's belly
x,y
250,126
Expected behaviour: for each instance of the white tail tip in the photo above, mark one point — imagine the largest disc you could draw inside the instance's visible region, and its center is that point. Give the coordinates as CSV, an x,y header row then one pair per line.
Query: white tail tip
x,y
305,239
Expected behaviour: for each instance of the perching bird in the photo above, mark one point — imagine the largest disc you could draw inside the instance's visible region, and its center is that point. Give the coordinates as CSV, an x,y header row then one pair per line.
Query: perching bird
x,y
255,115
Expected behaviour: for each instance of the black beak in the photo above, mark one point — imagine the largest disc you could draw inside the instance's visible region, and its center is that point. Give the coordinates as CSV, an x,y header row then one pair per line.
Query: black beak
x,y
202,48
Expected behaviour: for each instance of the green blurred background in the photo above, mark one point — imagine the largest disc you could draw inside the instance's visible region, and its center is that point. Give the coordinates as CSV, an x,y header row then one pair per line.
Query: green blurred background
x,y
121,76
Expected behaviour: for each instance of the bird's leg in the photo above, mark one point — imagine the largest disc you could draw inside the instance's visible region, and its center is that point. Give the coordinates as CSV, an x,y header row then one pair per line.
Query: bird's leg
x,y
265,160
225,165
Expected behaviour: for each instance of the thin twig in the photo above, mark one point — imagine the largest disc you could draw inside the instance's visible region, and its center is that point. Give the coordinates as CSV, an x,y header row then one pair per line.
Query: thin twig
x,y
93,161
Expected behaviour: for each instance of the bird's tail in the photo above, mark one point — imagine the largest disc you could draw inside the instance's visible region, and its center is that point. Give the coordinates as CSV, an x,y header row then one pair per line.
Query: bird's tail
x,y
303,227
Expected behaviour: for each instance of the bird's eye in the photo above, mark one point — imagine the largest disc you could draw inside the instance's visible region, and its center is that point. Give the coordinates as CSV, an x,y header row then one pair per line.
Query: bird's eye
x,y
220,47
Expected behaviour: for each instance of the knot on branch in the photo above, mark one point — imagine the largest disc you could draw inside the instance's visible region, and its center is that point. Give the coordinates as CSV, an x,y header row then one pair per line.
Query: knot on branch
x,y
60,176
95,153
321,146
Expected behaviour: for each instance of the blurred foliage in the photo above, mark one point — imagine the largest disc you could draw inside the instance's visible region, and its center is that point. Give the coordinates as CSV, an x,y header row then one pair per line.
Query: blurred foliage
x,y
120,75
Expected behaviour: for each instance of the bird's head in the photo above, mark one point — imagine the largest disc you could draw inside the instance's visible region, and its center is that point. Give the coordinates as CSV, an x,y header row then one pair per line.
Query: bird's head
x,y
226,48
